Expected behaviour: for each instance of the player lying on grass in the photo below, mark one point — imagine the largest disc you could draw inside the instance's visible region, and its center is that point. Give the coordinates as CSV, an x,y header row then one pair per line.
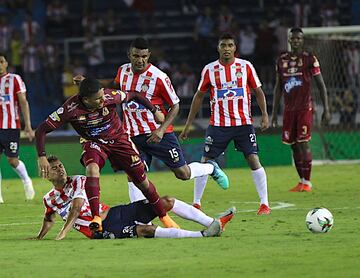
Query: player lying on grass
x,y
68,199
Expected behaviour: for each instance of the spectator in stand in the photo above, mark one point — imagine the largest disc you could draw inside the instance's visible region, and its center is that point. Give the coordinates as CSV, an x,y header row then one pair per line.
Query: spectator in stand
x,y
5,35
56,12
328,14
16,52
347,106
31,29
352,54
69,88
146,18
302,11
95,54
92,24
112,22
247,41
184,80
78,69
281,33
189,6
225,20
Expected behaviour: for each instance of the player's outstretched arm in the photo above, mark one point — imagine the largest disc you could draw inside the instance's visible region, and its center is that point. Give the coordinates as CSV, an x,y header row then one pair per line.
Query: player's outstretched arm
x,y
261,101
74,213
326,116
48,223
26,114
194,109
276,101
40,134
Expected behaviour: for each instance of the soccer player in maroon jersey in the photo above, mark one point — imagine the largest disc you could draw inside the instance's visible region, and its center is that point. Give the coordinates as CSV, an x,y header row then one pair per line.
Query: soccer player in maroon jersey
x,y
92,113
295,70
230,82
12,101
68,199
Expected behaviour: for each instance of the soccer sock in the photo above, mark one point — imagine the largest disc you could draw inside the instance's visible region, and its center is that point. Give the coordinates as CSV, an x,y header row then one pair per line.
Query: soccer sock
x,y
92,189
189,212
199,187
154,199
260,181
175,233
135,193
200,169
307,164
22,173
298,163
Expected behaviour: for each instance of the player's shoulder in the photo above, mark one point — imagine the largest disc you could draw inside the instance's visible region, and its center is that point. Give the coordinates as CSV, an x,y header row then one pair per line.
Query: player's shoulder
x,y
70,105
124,66
156,72
242,62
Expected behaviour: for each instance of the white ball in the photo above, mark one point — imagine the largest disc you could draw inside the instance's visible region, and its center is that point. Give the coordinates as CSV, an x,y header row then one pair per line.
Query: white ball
x,y
319,220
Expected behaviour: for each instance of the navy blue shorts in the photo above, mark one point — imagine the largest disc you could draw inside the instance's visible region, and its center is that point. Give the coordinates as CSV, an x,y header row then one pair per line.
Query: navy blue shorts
x,y
218,138
168,150
9,142
123,219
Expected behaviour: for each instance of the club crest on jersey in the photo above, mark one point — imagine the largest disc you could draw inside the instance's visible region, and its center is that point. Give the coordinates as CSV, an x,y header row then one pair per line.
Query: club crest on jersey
x,y
7,84
230,93
285,64
144,87
105,111
134,106
238,74
60,110
292,83
300,63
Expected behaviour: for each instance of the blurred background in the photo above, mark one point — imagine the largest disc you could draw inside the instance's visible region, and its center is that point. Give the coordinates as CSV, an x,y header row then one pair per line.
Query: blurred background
x,y
47,42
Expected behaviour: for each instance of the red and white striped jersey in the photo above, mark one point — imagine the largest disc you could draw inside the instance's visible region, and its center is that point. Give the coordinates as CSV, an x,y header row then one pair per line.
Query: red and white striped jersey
x,y
156,86
10,86
230,91
59,201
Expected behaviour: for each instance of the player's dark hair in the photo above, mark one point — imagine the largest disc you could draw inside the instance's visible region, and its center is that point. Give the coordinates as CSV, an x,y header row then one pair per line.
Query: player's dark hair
x,y
296,30
52,158
227,36
89,86
140,43
3,55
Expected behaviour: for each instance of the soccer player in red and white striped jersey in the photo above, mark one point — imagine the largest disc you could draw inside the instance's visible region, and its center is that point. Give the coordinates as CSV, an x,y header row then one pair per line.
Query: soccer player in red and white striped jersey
x,y
230,82
69,200
12,101
151,138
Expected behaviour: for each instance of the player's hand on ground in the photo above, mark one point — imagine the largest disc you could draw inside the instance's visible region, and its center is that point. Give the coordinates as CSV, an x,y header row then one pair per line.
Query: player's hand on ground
x,y
159,117
44,167
274,122
78,78
326,117
29,133
264,122
60,236
184,134
156,136
33,238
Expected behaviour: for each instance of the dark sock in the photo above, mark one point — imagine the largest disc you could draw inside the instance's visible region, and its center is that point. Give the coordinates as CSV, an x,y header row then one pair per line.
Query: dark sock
x,y
154,199
298,160
307,164
92,189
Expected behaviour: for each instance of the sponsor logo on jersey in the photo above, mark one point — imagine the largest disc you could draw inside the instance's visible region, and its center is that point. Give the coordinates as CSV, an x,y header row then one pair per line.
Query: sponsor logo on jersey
x,y
134,106
230,93
209,140
81,118
4,98
292,63
72,106
292,83
55,117
98,130
292,70
95,146
93,115
229,85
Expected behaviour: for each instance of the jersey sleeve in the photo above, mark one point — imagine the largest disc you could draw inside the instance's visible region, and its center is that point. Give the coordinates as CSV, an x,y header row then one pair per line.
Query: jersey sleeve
x,y
115,96
19,85
48,209
314,65
252,78
204,83
117,77
58,117
79,187
167,91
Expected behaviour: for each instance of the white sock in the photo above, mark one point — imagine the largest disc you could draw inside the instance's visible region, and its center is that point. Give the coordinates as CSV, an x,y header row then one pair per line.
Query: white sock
x,y
135,193
175,233
199,187
186,211
259,177
22,173
307,182
200,169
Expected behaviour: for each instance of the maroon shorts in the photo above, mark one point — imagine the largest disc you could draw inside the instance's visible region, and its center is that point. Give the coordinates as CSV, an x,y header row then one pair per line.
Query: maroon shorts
x,y
122,154
297,126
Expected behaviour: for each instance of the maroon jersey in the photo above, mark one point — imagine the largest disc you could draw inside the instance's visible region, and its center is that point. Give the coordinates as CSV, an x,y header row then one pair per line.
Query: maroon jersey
x,y
295,73
101,125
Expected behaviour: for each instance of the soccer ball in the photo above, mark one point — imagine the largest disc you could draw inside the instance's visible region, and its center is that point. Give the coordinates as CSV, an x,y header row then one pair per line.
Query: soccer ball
x,y
319,220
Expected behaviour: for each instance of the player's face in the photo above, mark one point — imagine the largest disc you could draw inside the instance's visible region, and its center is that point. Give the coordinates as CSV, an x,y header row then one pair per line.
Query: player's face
x,y
3,65
296,40
226,49
95,101
57,172
139,59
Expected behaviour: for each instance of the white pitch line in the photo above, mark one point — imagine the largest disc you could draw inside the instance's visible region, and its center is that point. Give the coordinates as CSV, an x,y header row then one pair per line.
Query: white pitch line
x,y
279,205
19,224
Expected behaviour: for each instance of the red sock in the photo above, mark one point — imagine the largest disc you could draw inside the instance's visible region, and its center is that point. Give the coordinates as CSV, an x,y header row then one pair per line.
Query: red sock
x,y
307,163
154,199
298,160
92,189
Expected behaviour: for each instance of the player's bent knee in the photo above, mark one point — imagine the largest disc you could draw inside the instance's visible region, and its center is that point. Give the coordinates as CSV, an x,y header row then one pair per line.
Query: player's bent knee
x,y
183,173
93,170
168,202
145,230
13,161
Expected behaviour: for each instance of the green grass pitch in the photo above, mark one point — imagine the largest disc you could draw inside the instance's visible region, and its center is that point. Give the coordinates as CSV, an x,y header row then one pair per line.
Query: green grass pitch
x,y
277,245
